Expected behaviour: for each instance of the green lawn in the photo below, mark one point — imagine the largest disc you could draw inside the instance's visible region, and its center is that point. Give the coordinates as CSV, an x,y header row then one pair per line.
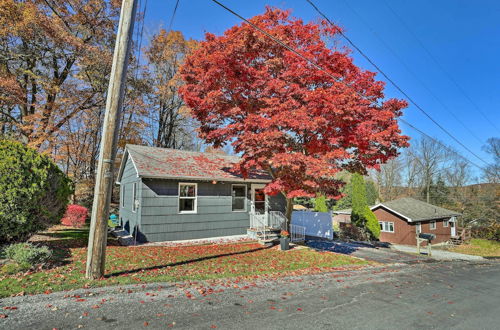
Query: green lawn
x,y
132,265
479,247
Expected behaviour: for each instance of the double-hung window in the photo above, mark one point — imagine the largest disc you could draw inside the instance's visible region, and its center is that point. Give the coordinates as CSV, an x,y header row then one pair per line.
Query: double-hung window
x,y
187,197
239,197
445,223
386,226
432,225
419,227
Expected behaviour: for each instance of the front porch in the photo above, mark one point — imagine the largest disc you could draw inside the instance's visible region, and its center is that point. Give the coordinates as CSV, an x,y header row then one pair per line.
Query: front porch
x,y
266,228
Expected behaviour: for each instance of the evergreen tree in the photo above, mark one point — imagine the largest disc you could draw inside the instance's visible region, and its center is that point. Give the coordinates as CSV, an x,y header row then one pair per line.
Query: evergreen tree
x,y
346,201
320,203
438,193
361,214
371,193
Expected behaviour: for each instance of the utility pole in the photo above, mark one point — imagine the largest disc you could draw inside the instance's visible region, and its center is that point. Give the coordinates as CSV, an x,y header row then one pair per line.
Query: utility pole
x,y
96,254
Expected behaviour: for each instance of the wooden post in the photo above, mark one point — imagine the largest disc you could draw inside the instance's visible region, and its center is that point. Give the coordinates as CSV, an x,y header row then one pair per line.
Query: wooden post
x,y
96,254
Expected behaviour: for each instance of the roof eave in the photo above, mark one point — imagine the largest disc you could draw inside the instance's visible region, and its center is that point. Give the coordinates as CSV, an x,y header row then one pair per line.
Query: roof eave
x,y
438,218
187,178
395,212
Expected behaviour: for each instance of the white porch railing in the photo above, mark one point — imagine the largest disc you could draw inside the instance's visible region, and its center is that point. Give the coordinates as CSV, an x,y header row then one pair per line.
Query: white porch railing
x,y
258,223
277,220
297,233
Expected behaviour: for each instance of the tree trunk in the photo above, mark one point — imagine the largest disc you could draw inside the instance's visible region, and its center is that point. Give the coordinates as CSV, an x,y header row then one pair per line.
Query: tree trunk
x,y
288,214
427,192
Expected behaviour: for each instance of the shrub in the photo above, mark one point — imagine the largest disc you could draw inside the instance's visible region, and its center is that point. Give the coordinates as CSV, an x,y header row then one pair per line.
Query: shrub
x,y
75,216
320,204
351,231
491,232
361,214
13,268
27,255
372,224
34,192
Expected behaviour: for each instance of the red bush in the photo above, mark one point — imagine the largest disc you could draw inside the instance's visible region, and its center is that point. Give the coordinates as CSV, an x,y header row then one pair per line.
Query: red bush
x,y
75,216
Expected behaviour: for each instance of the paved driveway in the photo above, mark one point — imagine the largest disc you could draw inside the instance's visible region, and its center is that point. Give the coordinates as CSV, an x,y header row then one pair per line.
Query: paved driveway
x,y
382,255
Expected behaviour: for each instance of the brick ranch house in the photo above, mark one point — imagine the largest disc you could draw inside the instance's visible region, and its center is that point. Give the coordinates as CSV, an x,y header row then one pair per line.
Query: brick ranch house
x,y
401,218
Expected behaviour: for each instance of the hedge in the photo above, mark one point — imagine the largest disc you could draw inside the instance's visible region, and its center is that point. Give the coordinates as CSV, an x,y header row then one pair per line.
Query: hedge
x,y
34,192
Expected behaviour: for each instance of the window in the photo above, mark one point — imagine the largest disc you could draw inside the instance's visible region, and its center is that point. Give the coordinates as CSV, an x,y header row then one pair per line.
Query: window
x,y
187,197
386,226
122,190
239,197
432,225
445,223
134,197
419,227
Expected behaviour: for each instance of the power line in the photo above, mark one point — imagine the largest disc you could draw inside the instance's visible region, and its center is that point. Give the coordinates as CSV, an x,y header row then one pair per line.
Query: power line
x,y
440,143
393,52
323,70
394,84
139,36
172,17
445,72
280,42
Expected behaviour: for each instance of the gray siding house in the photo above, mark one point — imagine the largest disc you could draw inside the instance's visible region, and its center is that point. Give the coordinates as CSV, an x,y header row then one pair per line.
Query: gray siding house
x,y
168,194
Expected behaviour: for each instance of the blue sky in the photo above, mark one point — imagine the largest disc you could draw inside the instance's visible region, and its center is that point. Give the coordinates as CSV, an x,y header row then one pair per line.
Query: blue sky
x,y
440,44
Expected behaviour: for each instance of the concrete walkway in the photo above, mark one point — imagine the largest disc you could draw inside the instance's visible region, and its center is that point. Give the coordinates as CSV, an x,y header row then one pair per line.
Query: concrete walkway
x,y
438,254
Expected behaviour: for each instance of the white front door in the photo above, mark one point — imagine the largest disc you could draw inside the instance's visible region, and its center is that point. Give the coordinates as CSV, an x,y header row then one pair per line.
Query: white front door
x,y
453,227
259,199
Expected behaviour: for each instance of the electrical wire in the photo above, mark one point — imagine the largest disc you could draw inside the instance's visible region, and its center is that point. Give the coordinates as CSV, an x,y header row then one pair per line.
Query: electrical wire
x,y
172,17
443,70
395,54
394,84
335,78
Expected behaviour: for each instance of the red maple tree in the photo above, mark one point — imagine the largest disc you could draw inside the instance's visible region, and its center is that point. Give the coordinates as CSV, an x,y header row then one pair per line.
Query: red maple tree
x,y
286,116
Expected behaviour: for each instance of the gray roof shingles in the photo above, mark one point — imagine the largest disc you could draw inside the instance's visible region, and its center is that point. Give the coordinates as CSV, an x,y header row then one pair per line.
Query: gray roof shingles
x,y
417,210
152,162
413,209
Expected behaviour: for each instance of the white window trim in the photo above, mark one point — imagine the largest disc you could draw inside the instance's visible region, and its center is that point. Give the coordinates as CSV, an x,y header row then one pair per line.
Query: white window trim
x,y
419,227
254,186
385,224
134,197
195,208
446,223
122,196
246,197
430,225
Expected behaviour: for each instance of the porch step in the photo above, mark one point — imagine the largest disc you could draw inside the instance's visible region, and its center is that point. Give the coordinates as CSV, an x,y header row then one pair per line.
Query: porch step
x,y
456,241
268,242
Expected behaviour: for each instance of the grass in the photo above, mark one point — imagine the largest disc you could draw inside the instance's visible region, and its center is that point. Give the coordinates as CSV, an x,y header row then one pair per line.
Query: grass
x,y
145,264
479,247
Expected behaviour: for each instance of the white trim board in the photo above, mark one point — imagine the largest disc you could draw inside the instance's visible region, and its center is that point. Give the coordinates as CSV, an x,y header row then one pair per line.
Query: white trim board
x,y
387,208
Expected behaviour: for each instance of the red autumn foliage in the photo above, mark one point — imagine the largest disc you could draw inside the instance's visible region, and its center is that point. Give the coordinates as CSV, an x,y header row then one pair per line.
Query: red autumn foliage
x,y
75,216
282,114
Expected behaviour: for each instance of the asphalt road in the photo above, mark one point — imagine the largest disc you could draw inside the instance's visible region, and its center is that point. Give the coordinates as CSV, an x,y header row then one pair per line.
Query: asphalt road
x,y
439,295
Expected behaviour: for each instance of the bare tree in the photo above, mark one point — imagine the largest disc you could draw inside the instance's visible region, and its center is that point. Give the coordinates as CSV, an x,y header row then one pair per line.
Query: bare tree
x,y
428,156
492,171
389,178
410,171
